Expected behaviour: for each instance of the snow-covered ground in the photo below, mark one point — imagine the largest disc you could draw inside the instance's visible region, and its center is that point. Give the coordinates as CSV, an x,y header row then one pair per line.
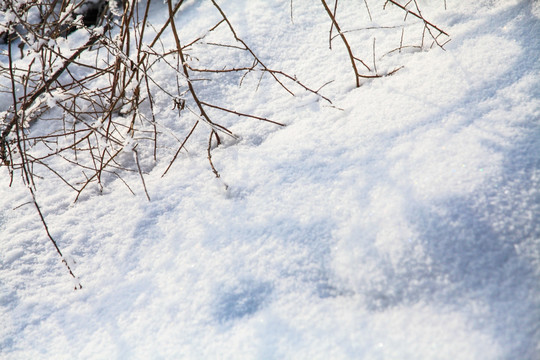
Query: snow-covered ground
x,y
402,221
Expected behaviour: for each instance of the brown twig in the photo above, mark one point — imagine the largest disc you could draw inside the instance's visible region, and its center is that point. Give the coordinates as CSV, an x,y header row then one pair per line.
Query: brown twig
x,y
213,133
140,171
78,286
241,114
419,16
247,48
330,37
192,91
180,148
349,51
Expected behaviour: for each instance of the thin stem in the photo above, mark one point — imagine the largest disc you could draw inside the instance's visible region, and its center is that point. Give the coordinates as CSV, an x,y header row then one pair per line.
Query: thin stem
x,y
351,56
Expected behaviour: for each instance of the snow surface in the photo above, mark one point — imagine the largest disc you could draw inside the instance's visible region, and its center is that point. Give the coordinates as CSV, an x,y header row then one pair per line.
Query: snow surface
x,y
401,222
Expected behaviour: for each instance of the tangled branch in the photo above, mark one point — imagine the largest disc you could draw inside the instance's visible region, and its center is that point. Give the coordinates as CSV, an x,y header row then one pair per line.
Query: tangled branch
x,y
100,97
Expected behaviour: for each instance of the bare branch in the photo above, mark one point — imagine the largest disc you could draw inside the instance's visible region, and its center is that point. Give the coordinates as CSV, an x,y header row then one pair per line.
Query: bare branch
x,y
351,56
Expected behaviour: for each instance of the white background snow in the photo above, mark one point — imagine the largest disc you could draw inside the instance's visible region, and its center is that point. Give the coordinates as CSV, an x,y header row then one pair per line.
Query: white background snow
x,y
403,222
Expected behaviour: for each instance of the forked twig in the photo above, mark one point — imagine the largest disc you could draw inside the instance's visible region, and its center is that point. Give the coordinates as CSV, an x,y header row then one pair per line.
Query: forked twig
x,y
192,91
345,42
419,16
247,48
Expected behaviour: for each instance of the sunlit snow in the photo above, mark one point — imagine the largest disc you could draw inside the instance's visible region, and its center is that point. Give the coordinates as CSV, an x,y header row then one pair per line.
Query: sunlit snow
x,y
402,221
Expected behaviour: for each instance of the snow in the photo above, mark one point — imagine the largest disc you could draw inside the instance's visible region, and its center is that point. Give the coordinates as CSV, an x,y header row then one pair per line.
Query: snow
x,y
402,221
